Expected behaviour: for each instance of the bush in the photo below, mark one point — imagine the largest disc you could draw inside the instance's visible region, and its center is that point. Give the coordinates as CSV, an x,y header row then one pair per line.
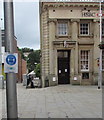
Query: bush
x,y
37,70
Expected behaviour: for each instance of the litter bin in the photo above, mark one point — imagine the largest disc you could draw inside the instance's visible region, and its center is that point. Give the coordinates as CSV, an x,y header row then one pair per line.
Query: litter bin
x,y
1,82
46,83
24,79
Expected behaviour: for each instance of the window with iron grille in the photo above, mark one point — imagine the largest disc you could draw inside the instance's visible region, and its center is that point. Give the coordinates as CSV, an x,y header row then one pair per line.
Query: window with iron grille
x,y
85,75
84,28
62,28
103,59
84,60
3,40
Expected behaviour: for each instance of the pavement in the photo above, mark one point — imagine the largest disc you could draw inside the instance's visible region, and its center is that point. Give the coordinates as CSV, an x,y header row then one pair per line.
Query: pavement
x,y
62,101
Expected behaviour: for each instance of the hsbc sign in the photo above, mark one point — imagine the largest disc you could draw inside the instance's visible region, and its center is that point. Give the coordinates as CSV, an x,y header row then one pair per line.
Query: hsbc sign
x,y
91,14
88,14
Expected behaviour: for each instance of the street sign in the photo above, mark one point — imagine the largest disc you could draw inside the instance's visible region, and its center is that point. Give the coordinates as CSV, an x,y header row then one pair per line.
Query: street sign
x,y
100,14
11,63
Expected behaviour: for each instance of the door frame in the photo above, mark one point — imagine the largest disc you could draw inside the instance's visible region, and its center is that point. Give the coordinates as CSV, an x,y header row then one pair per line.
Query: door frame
x,y
69,54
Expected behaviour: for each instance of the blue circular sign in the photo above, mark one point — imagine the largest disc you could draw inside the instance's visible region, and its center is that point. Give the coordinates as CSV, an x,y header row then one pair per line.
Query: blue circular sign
x,y
11,60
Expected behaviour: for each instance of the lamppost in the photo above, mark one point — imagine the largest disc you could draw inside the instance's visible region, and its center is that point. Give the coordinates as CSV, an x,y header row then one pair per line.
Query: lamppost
x,y
11,91
0,53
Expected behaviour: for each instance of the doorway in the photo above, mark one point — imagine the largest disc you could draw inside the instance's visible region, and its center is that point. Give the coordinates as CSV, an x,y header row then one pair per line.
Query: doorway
x,y
63,66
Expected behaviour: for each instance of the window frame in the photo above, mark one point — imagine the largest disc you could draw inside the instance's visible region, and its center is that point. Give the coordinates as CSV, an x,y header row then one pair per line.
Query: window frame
x,y
57,28
83,76
85,70
85,21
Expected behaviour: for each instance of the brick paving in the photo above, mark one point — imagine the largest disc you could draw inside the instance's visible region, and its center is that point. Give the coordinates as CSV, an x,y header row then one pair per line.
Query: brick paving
x,y
63,101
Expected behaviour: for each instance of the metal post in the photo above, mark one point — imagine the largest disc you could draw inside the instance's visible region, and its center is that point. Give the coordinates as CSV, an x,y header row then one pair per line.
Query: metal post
x,y
100,67
11,91
0,54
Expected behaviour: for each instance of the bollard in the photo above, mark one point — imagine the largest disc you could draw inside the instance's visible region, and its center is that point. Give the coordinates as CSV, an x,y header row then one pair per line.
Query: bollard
x,y
24,80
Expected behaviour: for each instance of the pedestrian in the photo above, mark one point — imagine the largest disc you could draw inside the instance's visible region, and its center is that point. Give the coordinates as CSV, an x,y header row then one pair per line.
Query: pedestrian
x,y
28,80
32,84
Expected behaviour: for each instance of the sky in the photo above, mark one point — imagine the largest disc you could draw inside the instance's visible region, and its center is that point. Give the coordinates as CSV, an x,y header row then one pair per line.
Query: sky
x,y
26,24
26,21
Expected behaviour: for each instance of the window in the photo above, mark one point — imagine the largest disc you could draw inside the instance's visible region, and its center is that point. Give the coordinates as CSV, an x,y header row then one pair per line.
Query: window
x,y
102,28
84,60
3,40
85,75
103,59
62,54
62,28
84,29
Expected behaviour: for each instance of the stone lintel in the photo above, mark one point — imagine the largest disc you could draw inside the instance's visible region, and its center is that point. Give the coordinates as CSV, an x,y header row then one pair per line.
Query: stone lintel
x,y
80,43
62,41
52,20
75,20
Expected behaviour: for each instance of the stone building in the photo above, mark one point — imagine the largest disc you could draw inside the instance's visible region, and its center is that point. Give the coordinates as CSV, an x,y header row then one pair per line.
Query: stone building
x,y
69,42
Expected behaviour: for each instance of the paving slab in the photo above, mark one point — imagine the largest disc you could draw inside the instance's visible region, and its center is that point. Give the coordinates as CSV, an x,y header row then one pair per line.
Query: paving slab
x,y
63,101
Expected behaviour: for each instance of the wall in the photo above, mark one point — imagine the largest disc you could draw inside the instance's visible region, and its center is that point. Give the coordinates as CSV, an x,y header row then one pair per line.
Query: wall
x,y
50,42
22,68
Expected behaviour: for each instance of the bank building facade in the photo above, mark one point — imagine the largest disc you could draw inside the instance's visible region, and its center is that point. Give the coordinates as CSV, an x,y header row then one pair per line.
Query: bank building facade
x,y
69,43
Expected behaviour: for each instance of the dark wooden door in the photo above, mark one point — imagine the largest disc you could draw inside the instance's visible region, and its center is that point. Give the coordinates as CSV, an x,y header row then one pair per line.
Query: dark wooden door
x,y
63,69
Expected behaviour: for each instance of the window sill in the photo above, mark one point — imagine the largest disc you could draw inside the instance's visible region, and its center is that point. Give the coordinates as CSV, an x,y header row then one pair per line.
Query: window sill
x,y
85,35
84,70
63,36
